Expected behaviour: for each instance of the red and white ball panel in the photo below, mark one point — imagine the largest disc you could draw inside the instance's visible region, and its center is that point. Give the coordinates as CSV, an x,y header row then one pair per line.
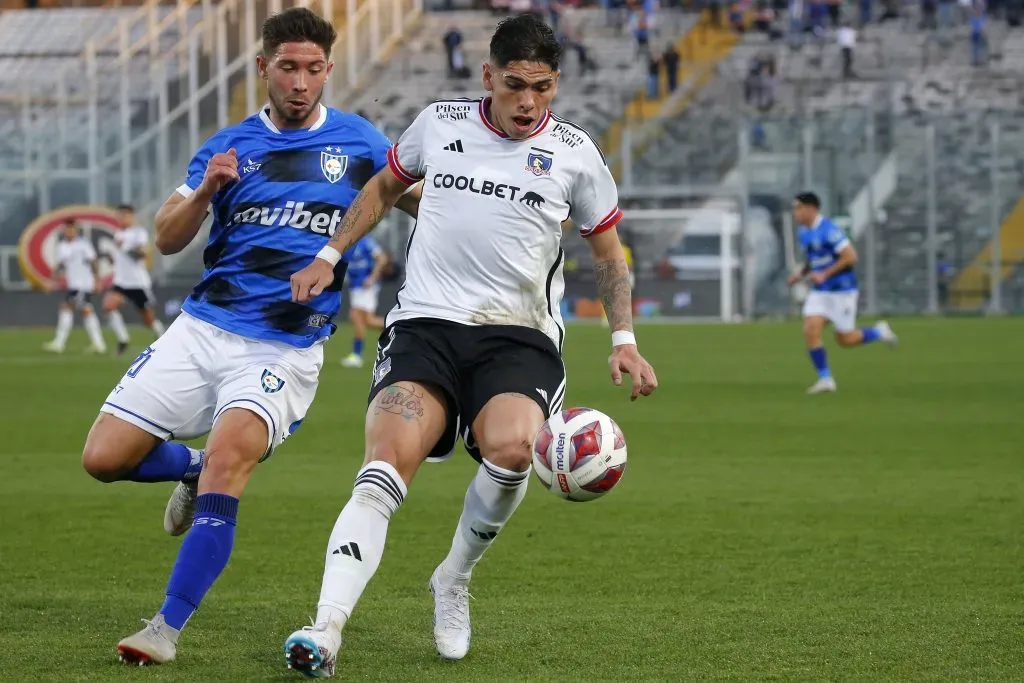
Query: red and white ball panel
x,y
579,454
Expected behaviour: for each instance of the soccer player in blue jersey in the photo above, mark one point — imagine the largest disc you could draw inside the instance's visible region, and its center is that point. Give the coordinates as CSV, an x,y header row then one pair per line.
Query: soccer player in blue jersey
x,y
241,361
366,261
829,261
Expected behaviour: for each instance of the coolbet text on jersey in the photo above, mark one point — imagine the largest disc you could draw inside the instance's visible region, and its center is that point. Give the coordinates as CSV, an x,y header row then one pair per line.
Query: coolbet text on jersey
x,y
294,189
822,243
486,247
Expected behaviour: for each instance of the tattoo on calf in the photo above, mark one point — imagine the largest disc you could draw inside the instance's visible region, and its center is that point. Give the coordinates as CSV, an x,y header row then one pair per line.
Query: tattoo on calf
x,y
404,401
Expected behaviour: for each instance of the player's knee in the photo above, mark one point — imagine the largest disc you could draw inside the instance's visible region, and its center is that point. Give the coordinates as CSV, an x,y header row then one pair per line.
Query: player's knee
x,y
512,450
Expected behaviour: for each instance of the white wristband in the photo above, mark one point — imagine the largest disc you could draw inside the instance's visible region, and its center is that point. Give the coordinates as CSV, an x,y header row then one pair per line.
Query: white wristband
x,y
623,338
329,254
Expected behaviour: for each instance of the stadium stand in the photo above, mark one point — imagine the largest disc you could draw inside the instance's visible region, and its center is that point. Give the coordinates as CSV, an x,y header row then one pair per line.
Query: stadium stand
x,y
418,74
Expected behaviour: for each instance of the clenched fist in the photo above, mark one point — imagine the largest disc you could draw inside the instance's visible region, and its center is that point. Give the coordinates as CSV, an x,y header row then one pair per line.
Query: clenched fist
x,y
310,282
220,170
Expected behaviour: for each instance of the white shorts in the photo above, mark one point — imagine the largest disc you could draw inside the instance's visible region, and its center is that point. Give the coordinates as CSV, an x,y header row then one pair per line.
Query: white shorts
x,y
364,298
840,308
178,387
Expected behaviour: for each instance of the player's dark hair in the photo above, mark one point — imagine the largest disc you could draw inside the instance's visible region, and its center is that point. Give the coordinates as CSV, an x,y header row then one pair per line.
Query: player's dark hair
x,y
297,25
808,199
525,38
126,207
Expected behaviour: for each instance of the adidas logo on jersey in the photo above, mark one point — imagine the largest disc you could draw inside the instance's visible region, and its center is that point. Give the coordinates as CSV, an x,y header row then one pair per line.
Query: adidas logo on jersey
x,y
323,220
454,147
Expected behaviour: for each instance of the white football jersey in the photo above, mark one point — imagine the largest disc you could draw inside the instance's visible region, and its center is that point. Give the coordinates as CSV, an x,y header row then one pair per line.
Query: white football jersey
x,y
77,258
486,249
129,272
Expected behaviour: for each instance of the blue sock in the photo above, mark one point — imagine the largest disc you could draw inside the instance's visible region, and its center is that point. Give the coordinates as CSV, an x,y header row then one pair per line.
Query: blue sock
x,y
820,362
168,462
870,334
202,557
357,347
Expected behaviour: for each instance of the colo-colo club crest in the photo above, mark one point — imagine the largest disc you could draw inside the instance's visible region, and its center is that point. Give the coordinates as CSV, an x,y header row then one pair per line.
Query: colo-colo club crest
x,y
37,246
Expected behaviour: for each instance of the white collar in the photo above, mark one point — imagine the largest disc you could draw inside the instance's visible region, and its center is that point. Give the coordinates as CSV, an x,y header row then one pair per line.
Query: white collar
x,y
817,222
265,118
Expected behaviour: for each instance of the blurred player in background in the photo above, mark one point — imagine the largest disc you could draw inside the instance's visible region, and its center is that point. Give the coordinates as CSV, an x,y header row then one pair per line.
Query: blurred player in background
x,y
242,359
473,344
77,266
366,261
131,279
829,261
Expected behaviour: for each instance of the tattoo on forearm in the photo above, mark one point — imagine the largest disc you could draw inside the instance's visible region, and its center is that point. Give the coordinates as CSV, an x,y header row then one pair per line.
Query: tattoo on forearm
x,y
404,401
350,230
615,292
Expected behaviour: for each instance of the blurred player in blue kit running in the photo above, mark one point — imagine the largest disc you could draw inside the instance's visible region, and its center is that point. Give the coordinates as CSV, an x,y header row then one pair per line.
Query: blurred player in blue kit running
x,y
242,360
829,261
366,261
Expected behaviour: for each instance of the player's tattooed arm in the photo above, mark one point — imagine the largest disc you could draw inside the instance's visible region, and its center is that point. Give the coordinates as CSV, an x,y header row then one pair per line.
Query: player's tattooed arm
x,y
376,198
404,400
612,276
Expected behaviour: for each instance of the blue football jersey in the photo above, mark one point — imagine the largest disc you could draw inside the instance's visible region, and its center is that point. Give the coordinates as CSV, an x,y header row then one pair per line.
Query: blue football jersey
x,y
294,189
361,258
821,244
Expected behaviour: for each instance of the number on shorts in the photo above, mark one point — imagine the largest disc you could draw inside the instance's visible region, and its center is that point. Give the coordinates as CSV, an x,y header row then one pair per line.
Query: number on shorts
x,y
139,362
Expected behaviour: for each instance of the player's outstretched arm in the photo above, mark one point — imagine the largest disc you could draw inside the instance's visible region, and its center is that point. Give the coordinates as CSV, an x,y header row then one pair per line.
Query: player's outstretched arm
x,y
847,259
179,219
612,276
375,199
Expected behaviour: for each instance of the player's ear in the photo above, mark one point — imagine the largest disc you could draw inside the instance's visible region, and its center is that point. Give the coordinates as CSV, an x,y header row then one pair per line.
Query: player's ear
x,y
261,66
330,68
488,77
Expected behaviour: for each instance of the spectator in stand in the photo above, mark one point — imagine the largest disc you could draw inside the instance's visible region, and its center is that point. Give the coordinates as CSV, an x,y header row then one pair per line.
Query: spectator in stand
x,y
763,18
638,27
929,9
670,60
946,271
846,36
452,42
736,18
653,74
979,41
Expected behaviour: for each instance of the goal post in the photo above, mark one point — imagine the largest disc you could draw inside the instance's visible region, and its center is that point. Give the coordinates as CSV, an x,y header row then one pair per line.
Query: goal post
x,y
690,262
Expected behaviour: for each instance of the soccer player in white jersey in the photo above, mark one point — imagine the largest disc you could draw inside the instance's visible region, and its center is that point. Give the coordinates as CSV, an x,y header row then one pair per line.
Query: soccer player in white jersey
x,y
76,264
473,344
242,360
131,279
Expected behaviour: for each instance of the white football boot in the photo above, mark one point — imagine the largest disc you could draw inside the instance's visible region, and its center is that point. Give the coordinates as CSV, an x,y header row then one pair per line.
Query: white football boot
x,y
886,334
451,615
155,644
313,651
352,361
181,508
825,385
53,347
93,350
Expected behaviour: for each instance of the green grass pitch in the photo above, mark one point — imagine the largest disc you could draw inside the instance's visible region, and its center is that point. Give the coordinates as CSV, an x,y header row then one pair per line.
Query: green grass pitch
x,y
758,533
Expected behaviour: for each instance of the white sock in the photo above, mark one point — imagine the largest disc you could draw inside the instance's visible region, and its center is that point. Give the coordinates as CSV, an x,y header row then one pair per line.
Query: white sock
x,y
92,328
65,319
493,495
357,542
158,328
117,325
